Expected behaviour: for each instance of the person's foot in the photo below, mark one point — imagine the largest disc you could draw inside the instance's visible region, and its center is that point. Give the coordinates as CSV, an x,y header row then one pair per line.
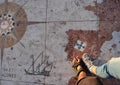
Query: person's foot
x,y
76,66
87,60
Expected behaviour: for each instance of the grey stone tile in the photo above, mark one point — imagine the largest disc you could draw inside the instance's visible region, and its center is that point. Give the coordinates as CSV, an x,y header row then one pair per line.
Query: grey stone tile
x,y
99,1
1,1
70,10
9,82
111,48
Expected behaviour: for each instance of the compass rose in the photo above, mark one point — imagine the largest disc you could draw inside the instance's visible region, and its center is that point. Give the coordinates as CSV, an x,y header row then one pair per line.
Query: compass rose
x,y
13,24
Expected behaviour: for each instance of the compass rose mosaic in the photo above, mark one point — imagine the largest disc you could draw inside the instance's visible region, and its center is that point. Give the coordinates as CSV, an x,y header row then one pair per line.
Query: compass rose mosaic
x,y
13,24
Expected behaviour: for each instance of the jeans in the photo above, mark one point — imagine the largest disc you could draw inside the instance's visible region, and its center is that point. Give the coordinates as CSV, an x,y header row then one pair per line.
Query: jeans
x,y
111,69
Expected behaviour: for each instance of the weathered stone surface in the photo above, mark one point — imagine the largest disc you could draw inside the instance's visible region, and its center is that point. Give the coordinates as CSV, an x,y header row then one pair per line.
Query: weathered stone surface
x,y
108,13
49,40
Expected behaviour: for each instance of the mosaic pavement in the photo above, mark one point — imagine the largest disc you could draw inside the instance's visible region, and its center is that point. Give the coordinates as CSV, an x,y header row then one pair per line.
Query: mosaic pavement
x,y
35,35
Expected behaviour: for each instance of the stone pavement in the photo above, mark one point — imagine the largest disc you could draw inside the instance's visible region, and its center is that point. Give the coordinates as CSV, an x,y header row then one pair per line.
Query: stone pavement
x,y
38,57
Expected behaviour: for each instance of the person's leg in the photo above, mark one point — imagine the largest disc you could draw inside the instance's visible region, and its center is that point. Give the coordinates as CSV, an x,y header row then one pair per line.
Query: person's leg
x,y
90,80
78,70
76,66
93,69
81,75
101,71
72,81
89,63
114,67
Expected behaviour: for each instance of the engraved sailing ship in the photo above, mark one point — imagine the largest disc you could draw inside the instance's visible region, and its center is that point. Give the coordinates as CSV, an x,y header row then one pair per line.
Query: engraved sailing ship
x,y
42,68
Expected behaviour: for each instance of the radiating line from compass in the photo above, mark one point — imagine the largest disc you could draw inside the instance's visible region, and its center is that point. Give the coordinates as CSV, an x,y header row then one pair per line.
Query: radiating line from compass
x,y
5,7
22,23
16,12
2,47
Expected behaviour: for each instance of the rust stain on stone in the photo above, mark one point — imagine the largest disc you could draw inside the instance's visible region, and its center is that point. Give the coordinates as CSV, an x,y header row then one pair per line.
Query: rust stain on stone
x,y
109,15
110,50
118,52
114,46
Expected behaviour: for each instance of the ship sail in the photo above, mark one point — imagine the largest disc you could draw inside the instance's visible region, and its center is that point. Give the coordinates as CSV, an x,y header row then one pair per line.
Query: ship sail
x,y
42,68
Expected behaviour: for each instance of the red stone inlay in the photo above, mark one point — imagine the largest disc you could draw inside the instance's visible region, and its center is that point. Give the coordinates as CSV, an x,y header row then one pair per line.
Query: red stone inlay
x,y
109,20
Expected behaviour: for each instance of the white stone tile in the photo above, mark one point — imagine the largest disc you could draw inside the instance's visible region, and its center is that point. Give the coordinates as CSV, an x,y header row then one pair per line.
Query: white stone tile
x,y
18,59
35,9
70,10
